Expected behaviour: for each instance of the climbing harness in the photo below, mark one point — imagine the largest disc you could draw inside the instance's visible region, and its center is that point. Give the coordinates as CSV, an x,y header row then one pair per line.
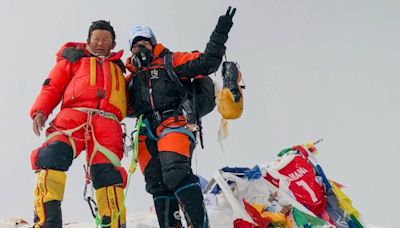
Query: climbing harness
x,y
89,197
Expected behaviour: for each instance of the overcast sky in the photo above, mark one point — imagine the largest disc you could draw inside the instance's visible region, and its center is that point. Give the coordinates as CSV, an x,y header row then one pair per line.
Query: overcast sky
x,y
313,69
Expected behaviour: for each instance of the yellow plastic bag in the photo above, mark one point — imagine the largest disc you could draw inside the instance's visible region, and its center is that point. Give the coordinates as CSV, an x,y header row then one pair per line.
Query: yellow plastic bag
x,y
230,98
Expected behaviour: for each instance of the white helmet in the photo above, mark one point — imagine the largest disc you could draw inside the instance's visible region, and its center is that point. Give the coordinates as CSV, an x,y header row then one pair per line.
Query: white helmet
x,y
141,31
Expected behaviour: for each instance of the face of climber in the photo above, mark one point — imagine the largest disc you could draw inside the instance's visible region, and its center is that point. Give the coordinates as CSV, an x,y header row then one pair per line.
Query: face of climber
x,y
142,52
101,42
137,46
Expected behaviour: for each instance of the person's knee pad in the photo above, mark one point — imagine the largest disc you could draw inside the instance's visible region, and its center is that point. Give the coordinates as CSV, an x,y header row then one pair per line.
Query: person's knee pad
x,y
110,203
155,186
48,194
56,155
175,168
106,175
154,178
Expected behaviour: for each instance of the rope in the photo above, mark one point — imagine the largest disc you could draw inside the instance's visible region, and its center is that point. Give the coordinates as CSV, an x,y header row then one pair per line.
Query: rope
x,y
132,169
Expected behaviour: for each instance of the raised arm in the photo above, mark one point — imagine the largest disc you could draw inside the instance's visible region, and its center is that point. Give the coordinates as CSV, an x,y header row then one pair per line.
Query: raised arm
x,y
208,62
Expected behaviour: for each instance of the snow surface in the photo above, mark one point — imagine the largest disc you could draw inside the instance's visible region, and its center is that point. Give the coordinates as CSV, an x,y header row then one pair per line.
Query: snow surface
x,y
218,219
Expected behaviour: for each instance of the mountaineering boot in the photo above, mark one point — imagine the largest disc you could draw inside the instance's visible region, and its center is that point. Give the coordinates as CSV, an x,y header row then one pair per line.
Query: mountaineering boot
x,y
110,202
167,210
48,194
191,200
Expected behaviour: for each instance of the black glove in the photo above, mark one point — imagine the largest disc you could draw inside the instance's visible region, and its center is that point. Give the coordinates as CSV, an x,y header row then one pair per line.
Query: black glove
x,y
225,21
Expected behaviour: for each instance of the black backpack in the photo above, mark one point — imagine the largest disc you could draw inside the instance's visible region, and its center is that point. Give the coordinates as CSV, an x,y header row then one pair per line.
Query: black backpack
x,y
199,96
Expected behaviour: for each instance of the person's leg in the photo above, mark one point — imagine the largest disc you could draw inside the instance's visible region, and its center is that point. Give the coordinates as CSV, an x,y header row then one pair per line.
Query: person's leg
x,y
52,161
165,203
175,158
178,176
109,180
191,199
167,209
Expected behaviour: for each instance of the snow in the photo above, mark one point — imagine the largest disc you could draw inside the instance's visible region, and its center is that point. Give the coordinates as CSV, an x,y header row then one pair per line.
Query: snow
x,y
218,219
222,208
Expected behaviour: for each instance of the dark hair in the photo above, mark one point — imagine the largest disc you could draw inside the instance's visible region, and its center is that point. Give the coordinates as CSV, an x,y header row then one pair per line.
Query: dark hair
x,y
101,25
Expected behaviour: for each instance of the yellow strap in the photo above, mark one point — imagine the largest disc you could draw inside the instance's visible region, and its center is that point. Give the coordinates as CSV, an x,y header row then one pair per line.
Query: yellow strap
x,y
113,78
118,90
92,71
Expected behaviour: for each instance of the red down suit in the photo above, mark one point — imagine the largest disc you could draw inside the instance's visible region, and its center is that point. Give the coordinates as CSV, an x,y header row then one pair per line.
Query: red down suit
x,y
92,92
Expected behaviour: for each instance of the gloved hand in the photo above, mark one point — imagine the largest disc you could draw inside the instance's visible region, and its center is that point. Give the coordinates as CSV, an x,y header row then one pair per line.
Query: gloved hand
x,y
225,21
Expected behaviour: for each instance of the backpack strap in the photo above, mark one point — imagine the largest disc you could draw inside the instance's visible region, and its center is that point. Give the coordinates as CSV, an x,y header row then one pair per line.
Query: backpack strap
x,y
170,70
185,103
